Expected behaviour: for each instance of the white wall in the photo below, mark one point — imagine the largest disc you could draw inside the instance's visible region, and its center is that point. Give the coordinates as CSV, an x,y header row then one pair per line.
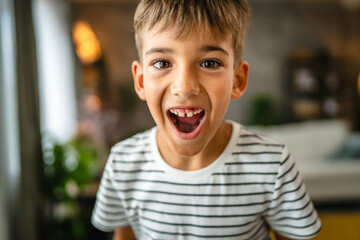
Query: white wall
x,y
278,27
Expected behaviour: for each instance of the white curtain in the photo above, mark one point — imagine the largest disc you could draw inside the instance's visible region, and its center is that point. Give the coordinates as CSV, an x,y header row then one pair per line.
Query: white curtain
x,y
9,121
56,68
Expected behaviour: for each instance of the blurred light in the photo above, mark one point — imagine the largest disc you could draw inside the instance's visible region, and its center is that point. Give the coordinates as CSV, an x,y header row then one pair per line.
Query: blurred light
x,y
92,103
86,44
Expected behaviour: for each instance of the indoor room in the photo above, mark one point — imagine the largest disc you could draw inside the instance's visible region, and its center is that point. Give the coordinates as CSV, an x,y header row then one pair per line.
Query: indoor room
x,y
67,96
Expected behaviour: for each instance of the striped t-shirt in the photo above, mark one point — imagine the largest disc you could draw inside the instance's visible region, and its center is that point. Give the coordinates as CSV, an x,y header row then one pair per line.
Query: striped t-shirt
x,y
254,185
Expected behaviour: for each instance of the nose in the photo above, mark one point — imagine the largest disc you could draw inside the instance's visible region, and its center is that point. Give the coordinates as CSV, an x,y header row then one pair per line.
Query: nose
x,y
185,83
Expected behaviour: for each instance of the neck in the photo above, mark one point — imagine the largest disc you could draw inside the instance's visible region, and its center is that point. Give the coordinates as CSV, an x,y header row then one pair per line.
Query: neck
x,y
204,158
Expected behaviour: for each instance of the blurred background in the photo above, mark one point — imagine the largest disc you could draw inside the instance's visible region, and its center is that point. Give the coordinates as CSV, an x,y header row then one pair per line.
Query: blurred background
x,y
67,96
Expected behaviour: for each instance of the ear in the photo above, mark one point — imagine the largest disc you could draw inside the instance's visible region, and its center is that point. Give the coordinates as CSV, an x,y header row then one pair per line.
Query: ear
x,y
240,80
138,77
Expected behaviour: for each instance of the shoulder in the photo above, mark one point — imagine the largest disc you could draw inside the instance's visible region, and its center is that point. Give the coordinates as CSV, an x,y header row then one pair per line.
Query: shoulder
x,y
131,150
257,149
133,144
251,135
132,159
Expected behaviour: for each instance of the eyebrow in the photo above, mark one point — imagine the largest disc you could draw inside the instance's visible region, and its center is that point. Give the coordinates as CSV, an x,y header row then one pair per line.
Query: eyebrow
x,y
159,50
214,48
169,50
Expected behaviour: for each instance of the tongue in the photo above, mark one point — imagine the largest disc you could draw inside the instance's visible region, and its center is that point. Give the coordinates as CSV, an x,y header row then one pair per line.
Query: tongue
x,y
188,124
189,120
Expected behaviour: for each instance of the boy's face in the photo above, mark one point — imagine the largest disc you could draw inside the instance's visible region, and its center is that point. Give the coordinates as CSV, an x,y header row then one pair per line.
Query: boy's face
x,y
187,84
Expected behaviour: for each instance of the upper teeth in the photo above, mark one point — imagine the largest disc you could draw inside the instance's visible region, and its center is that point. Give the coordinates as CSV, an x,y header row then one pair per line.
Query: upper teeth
x,y
189,113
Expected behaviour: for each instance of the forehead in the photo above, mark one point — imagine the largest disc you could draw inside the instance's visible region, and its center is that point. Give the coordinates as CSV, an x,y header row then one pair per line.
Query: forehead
x,y
198,36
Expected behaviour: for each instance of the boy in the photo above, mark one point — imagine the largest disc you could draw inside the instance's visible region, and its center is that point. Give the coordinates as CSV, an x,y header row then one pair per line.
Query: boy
x,y
196,176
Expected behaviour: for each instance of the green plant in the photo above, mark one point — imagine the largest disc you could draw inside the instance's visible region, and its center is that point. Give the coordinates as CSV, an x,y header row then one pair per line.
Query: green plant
x,y
263,111
69,168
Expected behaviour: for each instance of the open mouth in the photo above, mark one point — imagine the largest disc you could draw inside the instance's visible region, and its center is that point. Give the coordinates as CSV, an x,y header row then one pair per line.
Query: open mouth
x,y
186,120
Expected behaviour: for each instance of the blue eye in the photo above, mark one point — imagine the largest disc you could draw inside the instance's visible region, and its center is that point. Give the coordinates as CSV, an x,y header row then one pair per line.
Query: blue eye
x,y
211,64
161,64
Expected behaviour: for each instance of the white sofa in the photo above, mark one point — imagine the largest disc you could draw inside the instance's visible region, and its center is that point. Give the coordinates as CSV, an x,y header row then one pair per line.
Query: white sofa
x,y
313,145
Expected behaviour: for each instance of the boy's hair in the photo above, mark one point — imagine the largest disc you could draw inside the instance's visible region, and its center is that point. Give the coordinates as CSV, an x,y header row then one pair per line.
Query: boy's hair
x,y
222,17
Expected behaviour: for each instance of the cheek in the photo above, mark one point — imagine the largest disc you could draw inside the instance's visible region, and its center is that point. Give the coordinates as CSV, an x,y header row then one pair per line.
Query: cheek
x,y
150,85
154,92
153,82
221,89
220,94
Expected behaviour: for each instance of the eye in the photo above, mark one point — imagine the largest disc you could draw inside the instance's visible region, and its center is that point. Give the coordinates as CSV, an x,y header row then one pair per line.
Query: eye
x,y
161,64
211,64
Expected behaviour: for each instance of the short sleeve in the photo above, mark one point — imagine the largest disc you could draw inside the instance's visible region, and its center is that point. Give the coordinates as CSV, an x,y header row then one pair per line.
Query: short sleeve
x,y
108,213
291,213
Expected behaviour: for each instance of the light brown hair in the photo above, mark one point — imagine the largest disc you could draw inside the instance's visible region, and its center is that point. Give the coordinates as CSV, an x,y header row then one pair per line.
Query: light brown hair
x,y
222,17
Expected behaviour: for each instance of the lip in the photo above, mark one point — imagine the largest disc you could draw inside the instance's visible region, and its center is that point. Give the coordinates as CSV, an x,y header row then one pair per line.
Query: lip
x,y
193,134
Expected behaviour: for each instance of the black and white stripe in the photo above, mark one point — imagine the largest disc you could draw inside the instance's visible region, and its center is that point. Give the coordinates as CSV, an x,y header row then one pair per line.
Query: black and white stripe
x,y
255,186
